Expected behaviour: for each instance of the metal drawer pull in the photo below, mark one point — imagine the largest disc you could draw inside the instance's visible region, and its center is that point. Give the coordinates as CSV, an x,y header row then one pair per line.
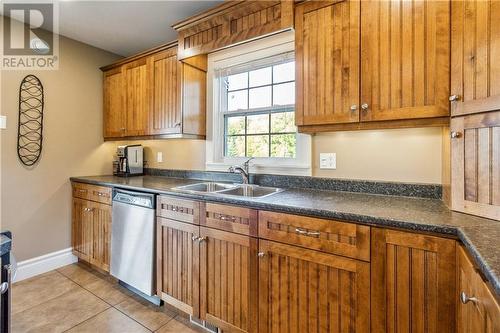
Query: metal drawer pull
x,y
4,287
225,218
305,232
454,98
261,254
82,191
100,194
466,299
176,209
455,135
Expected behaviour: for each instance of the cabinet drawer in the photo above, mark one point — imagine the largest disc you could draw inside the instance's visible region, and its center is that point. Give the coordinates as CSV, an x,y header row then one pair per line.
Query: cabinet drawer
x,y
95,193
178,209
345,239
230,218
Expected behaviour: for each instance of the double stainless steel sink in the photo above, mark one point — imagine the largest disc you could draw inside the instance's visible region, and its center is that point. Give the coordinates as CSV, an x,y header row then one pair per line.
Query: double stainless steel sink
x,y
237,190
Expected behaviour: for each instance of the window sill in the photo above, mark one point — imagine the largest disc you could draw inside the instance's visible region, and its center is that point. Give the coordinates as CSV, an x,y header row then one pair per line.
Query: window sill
x,y
295,170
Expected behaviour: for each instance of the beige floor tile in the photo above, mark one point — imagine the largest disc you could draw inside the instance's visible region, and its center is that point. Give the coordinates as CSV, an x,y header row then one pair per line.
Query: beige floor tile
x,y
148,315
178,325
40,289
110,292
80,274
109,321
59,314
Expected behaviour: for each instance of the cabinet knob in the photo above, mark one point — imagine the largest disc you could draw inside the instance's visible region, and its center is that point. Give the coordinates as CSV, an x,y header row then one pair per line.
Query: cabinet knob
x,y
455,135
364,106
466,299
454,98
194,238
354,107
261,254
201,239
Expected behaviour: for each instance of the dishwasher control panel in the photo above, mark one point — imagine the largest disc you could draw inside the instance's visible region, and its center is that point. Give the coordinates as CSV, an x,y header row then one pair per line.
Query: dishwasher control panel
x,y
132,198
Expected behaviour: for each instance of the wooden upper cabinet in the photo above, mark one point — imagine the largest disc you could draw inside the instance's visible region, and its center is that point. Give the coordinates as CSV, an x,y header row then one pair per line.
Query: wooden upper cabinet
x,y
413,282
155,95
327,62
475,56
165,115
405,51
230,23
114,101
478,309
475,171
309,291
136,97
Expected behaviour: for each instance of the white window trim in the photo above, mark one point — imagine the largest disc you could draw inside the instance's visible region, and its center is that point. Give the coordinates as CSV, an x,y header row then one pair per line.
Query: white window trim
x,y
216,161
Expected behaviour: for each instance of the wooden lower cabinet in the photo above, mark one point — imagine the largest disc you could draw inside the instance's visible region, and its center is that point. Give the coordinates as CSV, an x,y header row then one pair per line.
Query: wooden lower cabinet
x,y
91,232
229,280
302,290
177,256
478,310
81,229
413,282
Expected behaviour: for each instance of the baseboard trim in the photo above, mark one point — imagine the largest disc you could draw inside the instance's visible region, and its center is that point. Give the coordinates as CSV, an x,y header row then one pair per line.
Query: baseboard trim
x,y
42,264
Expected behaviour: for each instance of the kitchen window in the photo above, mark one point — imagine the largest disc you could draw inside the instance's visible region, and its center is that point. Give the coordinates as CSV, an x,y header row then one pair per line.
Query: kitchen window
x,y
251,108
258,107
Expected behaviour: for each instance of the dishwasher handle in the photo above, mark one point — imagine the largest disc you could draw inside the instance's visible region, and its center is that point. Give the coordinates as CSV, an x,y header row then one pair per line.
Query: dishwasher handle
x,y
146,200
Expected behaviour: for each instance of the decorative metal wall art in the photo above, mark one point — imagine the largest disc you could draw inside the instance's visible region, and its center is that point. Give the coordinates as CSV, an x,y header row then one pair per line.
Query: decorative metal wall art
x,y
30,126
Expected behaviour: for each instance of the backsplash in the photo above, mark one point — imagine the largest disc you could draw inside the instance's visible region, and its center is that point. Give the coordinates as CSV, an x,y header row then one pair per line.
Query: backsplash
x,y
431,191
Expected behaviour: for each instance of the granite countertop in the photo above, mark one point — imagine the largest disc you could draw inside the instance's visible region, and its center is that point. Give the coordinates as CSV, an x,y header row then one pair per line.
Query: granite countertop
x,y
5,244
479,235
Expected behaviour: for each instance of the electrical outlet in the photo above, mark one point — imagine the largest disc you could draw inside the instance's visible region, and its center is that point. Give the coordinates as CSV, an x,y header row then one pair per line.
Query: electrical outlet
x,y
3,122
159,157
328,161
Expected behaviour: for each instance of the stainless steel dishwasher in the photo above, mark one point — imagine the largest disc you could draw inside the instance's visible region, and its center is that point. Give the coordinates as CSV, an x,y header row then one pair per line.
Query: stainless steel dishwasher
x,y
132,240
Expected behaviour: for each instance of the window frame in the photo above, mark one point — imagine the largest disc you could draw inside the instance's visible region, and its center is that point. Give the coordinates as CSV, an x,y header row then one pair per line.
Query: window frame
x,y
261,49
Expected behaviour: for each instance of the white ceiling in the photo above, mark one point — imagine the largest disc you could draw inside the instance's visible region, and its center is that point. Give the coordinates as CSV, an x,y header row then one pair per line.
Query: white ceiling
x,y
125,27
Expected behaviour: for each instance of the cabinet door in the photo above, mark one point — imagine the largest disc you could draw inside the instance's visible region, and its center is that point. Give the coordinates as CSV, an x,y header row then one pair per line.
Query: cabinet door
x,y
101,235
137,101
308,291
229,280
81,229
413,282
165,81
114,113
327,62
475,56
475,153
178,259
405,50
194,92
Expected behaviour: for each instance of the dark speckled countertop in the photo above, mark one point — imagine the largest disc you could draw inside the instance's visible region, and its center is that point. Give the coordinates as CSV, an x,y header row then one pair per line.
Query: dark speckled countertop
x,y
480,236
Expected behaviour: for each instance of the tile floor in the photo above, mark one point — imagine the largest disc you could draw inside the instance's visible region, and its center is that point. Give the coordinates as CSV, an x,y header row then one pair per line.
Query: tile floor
x,y
75,298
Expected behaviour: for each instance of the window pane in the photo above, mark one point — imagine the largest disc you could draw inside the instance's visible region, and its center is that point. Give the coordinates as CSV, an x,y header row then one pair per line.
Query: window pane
x,y
237,100
284,72
258,146
260,97
284,94
235,146
237,81
283,145
283,122
258,123
260,77
235,125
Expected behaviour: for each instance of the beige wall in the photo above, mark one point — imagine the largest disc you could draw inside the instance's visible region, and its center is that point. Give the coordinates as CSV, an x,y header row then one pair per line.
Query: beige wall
x,y
37,202
400,155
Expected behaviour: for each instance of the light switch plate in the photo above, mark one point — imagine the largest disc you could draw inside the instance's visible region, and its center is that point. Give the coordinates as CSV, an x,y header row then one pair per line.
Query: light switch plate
x,y
3,122
159,157
328,161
